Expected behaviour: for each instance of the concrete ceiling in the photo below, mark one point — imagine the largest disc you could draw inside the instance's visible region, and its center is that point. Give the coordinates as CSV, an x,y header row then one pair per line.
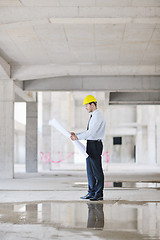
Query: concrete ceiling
x,y
48,38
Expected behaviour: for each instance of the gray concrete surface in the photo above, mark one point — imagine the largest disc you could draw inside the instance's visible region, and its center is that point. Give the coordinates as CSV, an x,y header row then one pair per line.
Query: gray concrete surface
x,y
6,128
79,221
31,137
70,185
48,206
96,83
46,38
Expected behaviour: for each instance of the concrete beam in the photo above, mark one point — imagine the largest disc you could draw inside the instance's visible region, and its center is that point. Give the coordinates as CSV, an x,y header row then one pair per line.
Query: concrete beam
x,y
76,3
122,131
4,69
95,83
18,98
134,98
31,72
28,13
83,20
22,96
110,20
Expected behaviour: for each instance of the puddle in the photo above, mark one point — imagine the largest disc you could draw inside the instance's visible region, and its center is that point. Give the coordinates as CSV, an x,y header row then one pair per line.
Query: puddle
x,y
112,221
129,185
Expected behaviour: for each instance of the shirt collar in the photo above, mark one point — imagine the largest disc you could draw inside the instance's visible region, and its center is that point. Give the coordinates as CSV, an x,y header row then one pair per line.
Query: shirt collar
x,y
94,112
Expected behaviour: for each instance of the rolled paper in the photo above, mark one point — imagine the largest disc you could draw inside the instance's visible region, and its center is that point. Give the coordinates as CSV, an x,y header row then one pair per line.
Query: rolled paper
x,y
77,143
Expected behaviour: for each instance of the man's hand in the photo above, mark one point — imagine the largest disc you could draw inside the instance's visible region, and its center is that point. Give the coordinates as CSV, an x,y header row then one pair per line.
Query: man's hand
x,y
73,136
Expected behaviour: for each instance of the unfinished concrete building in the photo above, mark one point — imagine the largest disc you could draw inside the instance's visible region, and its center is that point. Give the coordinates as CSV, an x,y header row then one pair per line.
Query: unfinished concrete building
x,y
52,54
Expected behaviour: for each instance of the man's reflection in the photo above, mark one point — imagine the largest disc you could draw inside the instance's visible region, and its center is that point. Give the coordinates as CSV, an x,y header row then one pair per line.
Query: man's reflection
x,y
95,215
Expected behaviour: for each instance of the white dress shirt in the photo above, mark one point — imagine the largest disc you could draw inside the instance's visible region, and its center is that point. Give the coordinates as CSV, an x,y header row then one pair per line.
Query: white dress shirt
x,y
97,127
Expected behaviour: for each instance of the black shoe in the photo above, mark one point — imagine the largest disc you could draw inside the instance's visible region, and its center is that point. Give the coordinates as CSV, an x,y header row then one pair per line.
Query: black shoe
x,y
88,196
96,198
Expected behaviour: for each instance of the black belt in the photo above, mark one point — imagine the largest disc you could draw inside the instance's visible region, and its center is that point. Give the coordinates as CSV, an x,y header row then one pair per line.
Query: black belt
x,y
99,140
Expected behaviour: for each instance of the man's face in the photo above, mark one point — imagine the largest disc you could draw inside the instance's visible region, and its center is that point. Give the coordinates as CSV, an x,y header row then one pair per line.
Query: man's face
x,y
89,107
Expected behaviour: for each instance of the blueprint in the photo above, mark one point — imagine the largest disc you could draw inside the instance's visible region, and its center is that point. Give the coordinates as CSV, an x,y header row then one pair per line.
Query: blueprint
x,y
60,128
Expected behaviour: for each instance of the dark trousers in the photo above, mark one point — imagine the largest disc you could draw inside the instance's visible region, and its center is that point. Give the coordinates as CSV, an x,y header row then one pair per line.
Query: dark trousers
x,y
94,168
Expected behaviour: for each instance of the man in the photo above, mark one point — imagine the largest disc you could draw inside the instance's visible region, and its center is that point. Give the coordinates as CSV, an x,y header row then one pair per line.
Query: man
x,y
94,135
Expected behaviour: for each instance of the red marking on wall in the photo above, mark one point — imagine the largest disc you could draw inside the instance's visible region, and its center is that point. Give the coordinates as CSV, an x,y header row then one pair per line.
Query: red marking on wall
x,y
45,158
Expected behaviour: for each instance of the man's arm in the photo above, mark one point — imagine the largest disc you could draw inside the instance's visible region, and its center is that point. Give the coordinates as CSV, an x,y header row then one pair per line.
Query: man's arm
x,y
84,135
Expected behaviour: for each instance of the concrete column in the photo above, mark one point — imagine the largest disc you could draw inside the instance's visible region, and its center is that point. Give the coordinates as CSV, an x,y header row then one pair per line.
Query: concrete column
x,y
6,129
152,220
45,138
149,220
61,109
158,140
139,136
31,137
69,146
46,212
151,135
58,146
32,213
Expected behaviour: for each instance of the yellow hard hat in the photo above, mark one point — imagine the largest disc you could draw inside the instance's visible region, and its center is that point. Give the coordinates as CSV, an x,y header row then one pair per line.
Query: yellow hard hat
x,y
89,99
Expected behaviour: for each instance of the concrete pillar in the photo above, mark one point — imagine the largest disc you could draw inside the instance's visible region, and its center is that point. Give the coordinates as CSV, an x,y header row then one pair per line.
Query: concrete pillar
x,y
149,220
31,137
158,140
61,147
158,219
46,212
139,136
6,129
151,135
32,213
45,137
69,146
152,220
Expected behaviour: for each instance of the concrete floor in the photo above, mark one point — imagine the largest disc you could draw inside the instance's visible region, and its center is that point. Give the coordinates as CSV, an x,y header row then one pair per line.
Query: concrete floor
x,y
48,206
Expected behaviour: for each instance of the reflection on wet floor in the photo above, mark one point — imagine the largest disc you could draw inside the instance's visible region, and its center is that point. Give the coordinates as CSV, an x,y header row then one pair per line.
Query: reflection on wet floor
x,y
123,185
95,216
114,221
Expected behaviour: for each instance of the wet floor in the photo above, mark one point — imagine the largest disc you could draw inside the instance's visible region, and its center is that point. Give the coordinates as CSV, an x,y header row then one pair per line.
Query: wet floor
x,y
125,185
75,220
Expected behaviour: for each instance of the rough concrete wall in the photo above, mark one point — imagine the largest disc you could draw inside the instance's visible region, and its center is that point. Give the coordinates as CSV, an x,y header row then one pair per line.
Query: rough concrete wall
x,y
128,122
